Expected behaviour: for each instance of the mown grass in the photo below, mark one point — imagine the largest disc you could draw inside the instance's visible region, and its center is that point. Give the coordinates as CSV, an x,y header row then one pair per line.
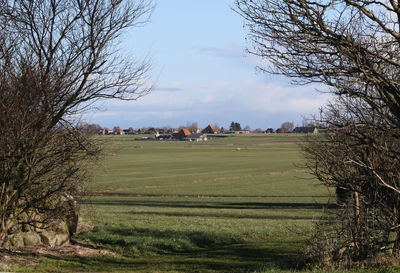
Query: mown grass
x,y
236,204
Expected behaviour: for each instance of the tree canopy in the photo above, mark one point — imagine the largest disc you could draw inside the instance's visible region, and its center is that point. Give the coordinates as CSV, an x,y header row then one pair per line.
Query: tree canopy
x,y
235,126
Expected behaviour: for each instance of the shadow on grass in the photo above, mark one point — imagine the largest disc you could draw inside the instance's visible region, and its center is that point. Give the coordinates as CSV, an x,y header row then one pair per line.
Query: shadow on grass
x,y
210,205
169,263
220,215
191,251
228,258
149,249
162,241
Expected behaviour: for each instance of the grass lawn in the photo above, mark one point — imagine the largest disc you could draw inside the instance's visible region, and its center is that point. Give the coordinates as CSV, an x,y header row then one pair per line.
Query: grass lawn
x,y
235,204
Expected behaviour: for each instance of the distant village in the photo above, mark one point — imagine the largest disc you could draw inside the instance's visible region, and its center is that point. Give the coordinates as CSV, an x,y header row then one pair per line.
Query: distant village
x,y
192,133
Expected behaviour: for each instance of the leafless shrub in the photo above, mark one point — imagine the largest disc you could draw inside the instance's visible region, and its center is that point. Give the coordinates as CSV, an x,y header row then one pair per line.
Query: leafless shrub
x,y
56,58
353,47
360,158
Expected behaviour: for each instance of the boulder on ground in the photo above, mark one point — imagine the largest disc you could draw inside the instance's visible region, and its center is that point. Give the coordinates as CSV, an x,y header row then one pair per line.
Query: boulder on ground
x,y
62,239
31,238
16,241
48,238
58,233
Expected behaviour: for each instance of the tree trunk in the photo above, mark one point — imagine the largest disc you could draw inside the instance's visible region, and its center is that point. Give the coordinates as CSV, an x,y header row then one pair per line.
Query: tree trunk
x,y
357,211
3,231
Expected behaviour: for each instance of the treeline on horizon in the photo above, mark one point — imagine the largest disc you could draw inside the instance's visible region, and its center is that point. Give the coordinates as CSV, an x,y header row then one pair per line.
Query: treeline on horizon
x,y
286,127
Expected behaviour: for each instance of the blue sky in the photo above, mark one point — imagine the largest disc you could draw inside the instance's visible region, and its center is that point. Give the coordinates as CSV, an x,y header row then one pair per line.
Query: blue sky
x,y
202,74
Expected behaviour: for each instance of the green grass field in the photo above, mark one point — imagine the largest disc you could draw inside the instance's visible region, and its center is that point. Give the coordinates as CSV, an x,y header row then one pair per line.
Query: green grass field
x,y
235,204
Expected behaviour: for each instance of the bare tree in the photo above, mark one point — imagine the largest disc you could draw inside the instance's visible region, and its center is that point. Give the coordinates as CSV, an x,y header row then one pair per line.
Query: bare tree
x,y
192,126
287,127
56,58
352,46
89,129
360,158
308,122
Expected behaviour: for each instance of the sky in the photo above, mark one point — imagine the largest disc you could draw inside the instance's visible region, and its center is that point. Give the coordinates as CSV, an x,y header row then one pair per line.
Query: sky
x,y
202,73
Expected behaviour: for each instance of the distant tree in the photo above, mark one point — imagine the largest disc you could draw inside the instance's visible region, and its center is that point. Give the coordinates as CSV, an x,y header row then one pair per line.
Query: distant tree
x,y
307,122
89,129
247,128
287,127
192,126
235,126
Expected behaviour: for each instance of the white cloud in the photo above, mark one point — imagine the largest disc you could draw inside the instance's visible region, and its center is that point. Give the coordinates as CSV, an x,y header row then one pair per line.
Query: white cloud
x,y
252,102
234,52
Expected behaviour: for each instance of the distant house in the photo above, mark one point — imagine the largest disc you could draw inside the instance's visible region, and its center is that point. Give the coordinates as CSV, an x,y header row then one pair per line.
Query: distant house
x,y
196,137
182,133
165,137
119,132
242,132
151,130
305,130
129,131
210,129
106,132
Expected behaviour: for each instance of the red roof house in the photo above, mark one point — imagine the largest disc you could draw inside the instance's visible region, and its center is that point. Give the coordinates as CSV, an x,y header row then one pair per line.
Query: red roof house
x,y
182,133
210,129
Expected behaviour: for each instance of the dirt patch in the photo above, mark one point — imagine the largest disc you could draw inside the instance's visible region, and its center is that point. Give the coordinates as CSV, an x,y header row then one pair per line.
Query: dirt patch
x,y
8,260
31,256
77,249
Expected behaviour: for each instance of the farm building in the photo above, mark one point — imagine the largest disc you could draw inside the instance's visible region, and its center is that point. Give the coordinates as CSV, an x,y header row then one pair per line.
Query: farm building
x,y
242,132
129,131
182,133
210,129
106,132
305,130
119,132
195,137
